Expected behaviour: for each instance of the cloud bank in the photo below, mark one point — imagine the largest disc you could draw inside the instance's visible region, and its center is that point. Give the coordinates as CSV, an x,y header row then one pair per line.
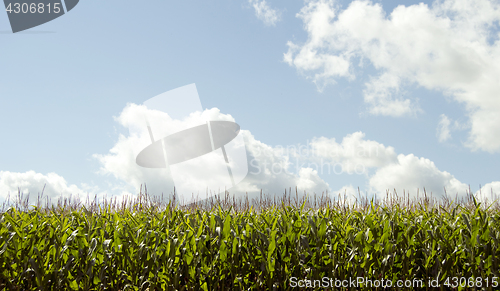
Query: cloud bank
x,y
272,169
51,185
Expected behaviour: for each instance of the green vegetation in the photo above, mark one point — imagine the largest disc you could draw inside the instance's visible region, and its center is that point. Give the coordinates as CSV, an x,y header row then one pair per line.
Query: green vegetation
x,y
231,245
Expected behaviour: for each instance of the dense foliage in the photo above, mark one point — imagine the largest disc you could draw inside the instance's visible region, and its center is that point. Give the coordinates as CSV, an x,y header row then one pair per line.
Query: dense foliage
x,y
217,249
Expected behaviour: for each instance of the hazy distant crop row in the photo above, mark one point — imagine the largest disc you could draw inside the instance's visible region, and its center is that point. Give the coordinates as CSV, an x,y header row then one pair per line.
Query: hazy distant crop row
x,y
143,247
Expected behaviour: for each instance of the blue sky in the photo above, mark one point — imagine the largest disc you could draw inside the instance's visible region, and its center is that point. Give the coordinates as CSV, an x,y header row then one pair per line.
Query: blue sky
x,y
289,72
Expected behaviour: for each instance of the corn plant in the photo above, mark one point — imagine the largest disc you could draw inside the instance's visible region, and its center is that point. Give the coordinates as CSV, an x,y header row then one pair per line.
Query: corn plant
x,y
148,247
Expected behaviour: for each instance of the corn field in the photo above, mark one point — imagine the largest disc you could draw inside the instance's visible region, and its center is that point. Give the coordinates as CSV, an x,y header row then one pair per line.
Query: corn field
x,y
229,246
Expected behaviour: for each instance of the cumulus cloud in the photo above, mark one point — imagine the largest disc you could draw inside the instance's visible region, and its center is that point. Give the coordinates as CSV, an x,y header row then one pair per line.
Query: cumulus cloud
x,y
383,168
410,173
452,46
265,13
353,154
380,164
268,169
272,171
443,129
489,192
120,162
52,186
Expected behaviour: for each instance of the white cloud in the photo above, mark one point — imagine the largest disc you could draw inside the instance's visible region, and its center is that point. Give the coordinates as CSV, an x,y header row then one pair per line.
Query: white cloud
x,y
410,173
54,187
271,169
265,13
391,171
384,96
268,170
443,129
120,161
353,154
452,47
274,169
489,192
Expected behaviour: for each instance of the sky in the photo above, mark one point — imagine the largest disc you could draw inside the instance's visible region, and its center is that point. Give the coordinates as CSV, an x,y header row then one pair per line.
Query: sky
x,y
331,96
